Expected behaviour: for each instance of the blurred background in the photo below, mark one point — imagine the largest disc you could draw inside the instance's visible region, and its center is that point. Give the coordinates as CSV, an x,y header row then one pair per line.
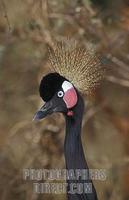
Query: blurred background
x,y
27,28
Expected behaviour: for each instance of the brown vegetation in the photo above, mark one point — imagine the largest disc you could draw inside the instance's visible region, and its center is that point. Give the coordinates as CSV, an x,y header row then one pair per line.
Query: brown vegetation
x,y
27,28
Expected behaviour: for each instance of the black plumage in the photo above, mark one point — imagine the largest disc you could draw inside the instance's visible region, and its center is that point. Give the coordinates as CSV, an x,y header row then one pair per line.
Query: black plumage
x,y
84,70
49,85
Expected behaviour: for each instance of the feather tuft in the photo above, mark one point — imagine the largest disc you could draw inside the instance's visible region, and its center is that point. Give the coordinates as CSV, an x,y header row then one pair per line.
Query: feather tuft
x,y
80,65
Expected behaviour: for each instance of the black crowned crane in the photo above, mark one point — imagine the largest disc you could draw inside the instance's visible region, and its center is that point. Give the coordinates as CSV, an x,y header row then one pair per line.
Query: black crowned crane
x,y
76,70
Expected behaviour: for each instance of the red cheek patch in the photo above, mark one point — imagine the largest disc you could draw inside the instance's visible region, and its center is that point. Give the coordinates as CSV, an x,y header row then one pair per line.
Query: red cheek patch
x,y
70,98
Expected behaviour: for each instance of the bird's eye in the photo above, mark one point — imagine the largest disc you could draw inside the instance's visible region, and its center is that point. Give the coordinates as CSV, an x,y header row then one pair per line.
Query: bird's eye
x,y
60,94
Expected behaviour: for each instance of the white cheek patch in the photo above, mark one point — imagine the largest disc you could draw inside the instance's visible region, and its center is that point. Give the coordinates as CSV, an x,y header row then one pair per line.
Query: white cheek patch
x,y
66,86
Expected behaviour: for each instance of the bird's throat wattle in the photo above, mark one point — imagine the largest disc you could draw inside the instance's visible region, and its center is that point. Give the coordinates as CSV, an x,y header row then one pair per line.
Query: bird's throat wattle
x,y
70,113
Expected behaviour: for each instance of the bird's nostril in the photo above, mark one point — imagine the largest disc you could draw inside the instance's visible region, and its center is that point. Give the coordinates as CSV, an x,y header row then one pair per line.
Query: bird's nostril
x,y
43,109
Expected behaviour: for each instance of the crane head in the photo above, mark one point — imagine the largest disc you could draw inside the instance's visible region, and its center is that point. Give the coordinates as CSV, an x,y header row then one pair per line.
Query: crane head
x,y
59,95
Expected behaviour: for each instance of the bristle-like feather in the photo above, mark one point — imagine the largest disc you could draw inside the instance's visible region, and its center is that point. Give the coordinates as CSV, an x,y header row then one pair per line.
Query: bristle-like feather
x,y
79,65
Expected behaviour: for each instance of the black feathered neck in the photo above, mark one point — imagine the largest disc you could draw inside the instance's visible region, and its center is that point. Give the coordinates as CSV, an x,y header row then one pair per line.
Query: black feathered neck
x,y
49,85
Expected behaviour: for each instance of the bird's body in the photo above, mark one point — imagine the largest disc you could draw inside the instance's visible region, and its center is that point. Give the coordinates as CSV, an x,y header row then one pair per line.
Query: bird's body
x,y
74,154
62,95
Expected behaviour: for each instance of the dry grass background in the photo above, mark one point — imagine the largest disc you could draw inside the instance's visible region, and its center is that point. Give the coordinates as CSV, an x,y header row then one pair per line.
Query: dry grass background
x,y
26,29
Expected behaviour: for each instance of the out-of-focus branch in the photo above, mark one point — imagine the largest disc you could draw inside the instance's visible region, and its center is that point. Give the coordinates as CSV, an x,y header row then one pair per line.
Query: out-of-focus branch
x,y
119,62
117,80
121,67
6,15
45,27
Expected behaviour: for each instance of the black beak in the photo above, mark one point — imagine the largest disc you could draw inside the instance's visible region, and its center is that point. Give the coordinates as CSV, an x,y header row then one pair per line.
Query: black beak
x,y
56,104
45,110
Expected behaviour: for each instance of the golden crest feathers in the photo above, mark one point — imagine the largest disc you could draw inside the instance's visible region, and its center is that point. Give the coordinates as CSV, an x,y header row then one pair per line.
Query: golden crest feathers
x,y
80,65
